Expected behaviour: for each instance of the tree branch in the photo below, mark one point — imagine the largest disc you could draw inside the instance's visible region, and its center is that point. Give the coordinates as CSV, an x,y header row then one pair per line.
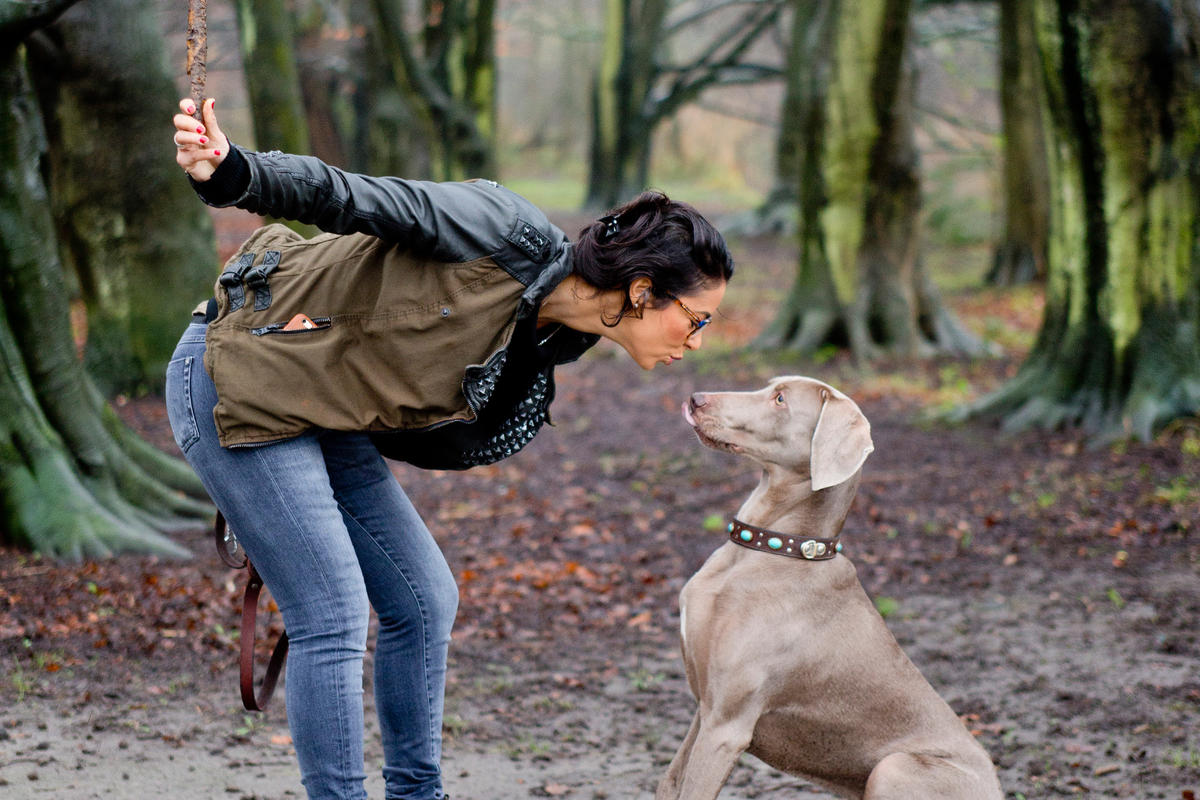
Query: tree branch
x,y
19,18
417,76
695,17
713,70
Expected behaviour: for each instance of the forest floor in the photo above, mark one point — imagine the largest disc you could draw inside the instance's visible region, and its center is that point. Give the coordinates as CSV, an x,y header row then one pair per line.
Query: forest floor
x,y
1049,590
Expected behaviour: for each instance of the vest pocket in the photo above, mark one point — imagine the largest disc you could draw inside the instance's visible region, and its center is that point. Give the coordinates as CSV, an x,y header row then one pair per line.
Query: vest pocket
x,y
298,324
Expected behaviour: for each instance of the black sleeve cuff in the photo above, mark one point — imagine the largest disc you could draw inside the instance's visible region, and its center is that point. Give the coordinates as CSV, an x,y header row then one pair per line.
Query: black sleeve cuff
x,y
228,183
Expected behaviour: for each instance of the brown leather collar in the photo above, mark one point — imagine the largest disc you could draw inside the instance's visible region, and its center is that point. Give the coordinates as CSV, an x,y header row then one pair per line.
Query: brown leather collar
x,y
768,541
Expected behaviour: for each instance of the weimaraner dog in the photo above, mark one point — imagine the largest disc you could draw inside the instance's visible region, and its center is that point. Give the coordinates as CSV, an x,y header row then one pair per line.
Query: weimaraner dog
x,y
785,653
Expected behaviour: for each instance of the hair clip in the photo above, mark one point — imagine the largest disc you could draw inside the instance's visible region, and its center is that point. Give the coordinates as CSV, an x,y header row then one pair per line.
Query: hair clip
x,y
611,228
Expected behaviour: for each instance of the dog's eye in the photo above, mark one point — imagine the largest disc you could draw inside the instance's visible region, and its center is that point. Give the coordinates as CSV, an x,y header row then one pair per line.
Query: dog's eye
x,y
779,401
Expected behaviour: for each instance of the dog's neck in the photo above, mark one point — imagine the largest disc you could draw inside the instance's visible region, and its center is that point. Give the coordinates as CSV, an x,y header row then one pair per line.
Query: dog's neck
x,y
781,502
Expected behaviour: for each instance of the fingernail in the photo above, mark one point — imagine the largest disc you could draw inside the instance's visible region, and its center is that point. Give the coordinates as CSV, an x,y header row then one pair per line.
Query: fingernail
x,y
216,152
203,140
191,110
199,129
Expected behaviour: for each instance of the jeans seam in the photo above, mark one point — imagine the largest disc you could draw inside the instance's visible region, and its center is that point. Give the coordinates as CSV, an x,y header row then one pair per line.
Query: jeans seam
x,y
339,689
425,625
193,430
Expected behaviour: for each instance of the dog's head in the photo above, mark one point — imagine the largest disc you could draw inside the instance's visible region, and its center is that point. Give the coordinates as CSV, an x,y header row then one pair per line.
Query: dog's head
x,y
795,423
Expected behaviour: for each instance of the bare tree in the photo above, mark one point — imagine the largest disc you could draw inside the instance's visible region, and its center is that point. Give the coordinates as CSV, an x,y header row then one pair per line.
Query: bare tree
x,y
447,75
638,86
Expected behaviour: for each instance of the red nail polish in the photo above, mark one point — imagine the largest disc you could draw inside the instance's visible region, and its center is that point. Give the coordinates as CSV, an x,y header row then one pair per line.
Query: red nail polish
x,y
199,129
191,109
216,152
203,140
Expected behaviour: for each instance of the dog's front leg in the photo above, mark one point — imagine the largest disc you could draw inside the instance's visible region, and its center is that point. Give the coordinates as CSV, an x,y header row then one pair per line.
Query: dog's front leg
x,y
713,752
672,781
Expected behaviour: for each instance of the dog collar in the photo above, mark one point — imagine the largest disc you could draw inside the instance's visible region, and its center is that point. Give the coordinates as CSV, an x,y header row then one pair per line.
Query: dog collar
x,y
769,541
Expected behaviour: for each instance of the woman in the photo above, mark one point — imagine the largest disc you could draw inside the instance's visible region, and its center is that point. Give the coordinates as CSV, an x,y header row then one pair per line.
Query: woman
x,y
426,328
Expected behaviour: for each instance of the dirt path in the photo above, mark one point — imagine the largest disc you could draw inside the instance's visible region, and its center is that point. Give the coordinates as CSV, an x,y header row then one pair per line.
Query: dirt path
x,y
998,560
1071,695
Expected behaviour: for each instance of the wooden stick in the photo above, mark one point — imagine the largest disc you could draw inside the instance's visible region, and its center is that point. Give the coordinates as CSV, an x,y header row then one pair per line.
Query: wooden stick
x,y
197,50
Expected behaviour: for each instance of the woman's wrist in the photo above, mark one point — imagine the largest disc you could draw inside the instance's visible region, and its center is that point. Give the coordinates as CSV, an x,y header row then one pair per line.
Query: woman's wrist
x,y
228,182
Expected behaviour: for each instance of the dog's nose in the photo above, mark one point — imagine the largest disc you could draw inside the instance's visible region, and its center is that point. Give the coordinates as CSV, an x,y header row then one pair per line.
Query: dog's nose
x,y
699,400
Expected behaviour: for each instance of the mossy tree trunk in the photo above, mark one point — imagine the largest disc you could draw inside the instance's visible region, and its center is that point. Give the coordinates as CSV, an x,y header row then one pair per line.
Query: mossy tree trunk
x,y
804,78
860,280
446,76
637,86
267,40
1020,254
128,224
74,481
1118,352
810,313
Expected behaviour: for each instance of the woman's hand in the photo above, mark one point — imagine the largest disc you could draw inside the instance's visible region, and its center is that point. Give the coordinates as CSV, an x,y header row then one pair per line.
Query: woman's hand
x,y
200,147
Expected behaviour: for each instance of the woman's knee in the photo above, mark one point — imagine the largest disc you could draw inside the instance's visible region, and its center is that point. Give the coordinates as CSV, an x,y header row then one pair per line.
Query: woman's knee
x,y
446,600
425,596
337,619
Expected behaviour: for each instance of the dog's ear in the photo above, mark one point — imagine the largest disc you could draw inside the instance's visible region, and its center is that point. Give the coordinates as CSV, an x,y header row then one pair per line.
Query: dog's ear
x,y
841,442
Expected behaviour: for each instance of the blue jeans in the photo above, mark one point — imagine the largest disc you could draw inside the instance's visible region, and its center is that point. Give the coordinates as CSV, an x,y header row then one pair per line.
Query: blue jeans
x,y
330,530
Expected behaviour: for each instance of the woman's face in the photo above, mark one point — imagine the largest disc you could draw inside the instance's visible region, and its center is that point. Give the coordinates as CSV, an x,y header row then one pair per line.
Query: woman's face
x,y
663,334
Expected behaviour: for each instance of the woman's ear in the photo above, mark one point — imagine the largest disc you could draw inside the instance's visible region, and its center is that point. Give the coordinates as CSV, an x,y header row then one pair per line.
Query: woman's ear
x,y
640,291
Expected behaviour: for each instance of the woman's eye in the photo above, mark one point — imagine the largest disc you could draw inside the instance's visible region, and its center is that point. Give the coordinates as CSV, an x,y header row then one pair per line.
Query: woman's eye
x,y
779,399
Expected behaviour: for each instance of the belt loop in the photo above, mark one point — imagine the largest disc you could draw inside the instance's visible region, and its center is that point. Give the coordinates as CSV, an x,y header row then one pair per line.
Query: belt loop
x,y
231,279
256,279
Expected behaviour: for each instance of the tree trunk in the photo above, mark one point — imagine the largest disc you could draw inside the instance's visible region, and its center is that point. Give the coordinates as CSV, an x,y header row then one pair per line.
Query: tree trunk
x,y
130,228
810,316
73,481
860,279
1118,353
606,179
266,36
1020,255
804,74
268,40
450,81
636,89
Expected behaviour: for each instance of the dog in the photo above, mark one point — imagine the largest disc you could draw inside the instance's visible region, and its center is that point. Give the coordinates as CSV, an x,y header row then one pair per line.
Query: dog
x,y
787,656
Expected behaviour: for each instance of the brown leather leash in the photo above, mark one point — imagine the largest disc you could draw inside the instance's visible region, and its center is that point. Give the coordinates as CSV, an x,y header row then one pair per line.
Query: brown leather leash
x,y
226,548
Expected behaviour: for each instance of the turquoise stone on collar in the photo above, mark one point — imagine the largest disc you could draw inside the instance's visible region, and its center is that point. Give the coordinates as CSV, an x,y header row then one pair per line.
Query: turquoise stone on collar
x,y
768,541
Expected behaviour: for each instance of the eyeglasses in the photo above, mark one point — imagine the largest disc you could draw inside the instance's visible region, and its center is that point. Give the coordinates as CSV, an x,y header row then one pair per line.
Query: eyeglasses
x,y
698,322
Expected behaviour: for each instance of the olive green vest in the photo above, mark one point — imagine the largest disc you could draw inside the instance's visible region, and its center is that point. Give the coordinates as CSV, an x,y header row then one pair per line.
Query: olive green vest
x,y
384,342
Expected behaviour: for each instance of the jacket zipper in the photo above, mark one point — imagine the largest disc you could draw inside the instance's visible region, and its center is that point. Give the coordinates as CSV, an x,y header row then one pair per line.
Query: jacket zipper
x,y
321,324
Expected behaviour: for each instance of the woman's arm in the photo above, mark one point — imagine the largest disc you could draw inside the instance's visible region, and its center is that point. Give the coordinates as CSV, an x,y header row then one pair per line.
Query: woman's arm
x,y
450,221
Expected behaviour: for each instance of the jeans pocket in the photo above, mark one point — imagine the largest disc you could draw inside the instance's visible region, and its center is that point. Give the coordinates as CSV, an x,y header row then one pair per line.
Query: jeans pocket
x,y
180,412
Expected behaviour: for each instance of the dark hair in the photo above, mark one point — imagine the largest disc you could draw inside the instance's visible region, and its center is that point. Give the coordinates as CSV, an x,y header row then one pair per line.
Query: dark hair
x,y
654,237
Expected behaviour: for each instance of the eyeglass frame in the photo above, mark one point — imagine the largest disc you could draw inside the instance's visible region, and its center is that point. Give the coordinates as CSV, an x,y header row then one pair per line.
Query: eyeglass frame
x,y
698,322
